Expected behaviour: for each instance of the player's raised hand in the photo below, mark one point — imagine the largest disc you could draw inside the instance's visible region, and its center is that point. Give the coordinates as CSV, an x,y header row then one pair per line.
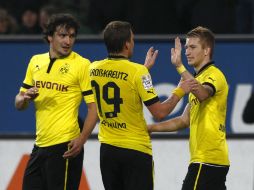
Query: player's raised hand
x,y
176,58
151,56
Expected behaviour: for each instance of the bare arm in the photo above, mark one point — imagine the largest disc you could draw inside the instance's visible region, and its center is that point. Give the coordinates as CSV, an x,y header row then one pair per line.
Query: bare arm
x,y
202,92
174,124
160,110
22,98
76,145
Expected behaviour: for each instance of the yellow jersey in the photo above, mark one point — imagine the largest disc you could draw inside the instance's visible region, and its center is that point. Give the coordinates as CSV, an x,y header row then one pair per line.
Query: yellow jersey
x,y
120,88
62,83
207,119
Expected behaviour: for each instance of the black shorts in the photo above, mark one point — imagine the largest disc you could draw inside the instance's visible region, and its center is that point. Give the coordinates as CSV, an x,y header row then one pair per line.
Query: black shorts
x,y
202,176
48,170
125,169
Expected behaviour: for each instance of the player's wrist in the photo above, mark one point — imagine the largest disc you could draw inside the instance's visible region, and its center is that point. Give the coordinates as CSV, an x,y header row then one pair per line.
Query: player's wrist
x,y
180,68
179,92
21,102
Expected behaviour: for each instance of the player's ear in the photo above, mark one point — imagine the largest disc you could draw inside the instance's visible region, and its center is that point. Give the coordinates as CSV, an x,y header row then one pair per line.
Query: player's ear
x,y
207,51
50,38
127,45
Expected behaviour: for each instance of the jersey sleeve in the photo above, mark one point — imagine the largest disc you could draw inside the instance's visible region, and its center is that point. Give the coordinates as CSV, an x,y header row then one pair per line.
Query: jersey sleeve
x,y
145,87
28,81
215,80
85,83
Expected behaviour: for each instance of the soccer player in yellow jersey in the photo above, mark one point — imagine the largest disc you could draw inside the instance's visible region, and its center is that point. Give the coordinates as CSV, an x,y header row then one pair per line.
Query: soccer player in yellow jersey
x,y
120,88
205,114
56,82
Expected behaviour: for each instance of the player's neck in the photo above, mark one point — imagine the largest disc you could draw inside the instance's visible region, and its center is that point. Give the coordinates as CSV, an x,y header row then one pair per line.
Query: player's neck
x,y
201,65
117,55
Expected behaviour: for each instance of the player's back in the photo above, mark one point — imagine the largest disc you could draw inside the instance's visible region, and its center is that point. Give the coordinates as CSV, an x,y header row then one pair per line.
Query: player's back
x,y
120,88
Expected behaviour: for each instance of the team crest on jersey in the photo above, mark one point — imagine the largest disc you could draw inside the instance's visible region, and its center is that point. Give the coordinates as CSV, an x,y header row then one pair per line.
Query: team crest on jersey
x,y
147,82
65,68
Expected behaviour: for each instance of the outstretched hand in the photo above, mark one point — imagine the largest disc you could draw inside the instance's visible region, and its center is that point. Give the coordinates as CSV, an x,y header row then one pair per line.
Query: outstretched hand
x,y
151,56
75,146
176,58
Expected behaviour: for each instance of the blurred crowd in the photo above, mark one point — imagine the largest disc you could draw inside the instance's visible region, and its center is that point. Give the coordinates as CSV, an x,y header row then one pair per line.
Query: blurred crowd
x,y
30,16
147,16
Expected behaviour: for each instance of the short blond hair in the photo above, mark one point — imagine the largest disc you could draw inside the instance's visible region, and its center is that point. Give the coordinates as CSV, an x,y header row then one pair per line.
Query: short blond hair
x,y
205,35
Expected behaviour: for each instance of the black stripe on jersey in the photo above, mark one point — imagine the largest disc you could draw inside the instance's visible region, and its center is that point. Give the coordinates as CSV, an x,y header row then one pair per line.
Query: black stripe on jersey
x,y
152,101
26,86
211,85
88,92
204,67
52,60
110,56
